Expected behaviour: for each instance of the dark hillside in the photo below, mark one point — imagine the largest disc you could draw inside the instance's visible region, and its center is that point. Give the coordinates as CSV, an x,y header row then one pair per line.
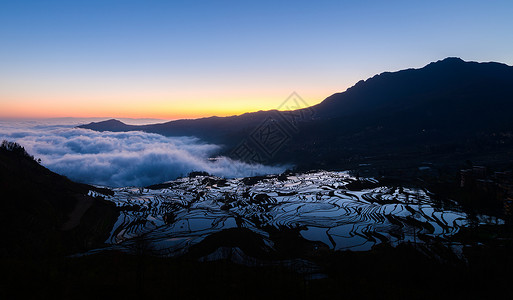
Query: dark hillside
x,y
46,214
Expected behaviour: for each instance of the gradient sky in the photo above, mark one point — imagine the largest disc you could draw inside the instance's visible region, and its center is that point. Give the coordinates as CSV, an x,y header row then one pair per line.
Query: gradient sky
x,y
176,59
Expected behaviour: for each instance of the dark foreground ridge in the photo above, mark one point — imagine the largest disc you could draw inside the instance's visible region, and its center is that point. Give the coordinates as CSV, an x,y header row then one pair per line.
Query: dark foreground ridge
x,y
45,214
448,111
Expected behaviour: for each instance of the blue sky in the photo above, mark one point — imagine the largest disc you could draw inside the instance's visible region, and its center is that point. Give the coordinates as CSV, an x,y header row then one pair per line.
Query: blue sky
x,y
173,59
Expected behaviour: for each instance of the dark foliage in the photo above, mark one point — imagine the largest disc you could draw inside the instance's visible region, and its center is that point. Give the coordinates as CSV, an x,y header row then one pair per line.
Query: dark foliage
x,y
15,148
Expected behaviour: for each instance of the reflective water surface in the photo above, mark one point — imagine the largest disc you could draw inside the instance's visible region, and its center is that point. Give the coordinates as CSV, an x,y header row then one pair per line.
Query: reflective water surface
x,y
322,205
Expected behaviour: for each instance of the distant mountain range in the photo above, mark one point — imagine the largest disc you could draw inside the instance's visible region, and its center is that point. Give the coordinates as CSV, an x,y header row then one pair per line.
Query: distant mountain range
x,y
446,112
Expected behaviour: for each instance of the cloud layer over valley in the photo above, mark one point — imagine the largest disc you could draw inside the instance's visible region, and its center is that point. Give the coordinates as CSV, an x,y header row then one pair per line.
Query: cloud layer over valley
x,y
122,158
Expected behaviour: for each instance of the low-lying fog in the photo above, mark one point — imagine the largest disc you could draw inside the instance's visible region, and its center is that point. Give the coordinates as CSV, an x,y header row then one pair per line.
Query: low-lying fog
x,y
118,159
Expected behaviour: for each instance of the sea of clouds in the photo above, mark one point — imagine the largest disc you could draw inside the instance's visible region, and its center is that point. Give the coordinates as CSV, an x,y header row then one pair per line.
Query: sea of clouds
x,y
117,159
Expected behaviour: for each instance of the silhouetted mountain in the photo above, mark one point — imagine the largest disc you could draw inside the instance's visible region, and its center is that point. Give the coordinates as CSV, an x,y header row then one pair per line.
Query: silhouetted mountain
x,y
224,130
450,85
110,125
46,214
447,107
451,107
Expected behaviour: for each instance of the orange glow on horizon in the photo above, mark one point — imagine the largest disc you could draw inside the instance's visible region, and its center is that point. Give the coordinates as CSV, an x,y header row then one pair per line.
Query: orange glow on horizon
x,y
136,108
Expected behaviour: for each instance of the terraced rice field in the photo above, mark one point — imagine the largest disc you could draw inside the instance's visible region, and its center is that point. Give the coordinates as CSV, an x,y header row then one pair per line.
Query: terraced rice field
x,y
320,205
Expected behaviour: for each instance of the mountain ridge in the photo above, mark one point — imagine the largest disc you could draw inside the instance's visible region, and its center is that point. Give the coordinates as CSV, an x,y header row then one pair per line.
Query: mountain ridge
x,y
450,104
447,62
